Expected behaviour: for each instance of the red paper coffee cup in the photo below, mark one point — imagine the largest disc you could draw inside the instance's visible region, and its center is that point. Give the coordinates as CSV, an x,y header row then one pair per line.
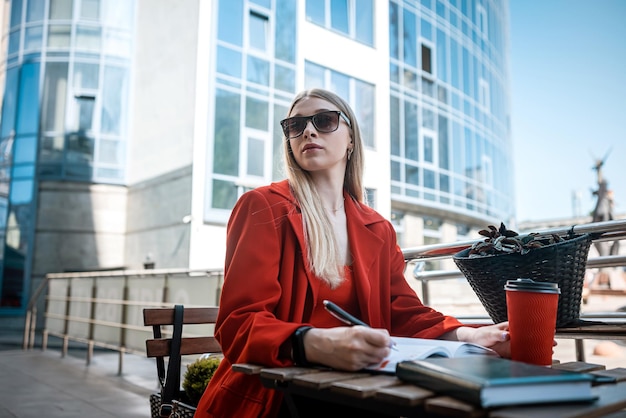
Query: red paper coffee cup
x,y
532,309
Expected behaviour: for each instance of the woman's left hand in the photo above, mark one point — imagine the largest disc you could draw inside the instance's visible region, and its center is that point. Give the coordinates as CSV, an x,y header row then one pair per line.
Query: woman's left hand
x,y
494,336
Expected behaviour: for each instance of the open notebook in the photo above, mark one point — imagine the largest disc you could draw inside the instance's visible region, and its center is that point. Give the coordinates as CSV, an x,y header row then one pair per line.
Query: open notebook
x,y
420,348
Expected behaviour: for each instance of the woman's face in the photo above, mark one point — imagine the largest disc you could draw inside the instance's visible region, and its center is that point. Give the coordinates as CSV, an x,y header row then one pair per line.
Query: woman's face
x,y
317,151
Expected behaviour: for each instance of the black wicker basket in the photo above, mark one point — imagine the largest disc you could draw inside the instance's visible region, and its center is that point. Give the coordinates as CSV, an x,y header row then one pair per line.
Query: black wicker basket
x,y
563,263
181,409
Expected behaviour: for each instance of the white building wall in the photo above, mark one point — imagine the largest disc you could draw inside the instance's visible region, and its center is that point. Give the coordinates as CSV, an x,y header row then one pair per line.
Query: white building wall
x,y
164,90
161,143
79,227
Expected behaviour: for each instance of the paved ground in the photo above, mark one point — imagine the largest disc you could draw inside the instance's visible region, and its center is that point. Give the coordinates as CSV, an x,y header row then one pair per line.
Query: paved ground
x,y
36,384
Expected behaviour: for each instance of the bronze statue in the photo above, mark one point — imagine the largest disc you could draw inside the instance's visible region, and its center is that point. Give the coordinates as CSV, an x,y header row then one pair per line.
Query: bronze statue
x,y
604,205
601,213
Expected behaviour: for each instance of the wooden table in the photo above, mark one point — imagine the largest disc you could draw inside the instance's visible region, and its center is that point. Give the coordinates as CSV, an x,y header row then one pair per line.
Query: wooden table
x,y
596,326
388,395
606,329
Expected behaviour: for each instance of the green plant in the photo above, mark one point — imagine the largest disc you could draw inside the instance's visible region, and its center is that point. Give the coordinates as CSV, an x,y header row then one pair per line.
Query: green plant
x,y
197,377
503,241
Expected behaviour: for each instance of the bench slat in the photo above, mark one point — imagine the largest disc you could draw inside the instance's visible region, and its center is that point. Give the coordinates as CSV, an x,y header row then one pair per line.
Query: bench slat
x,y
188,346
165,316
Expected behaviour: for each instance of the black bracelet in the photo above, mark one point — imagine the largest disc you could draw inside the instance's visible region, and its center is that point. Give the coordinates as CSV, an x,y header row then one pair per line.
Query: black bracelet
x,y
297,346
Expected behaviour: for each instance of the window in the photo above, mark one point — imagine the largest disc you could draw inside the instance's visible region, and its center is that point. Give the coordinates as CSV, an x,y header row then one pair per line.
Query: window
x,y
364,101
265,3
255,157
429,149
258,70
410,39
353,18
121,13
412,175
432,224
444,154
88,38
14,42
394,31
487,175
481,20
60,9
428,118
411,131
258,31
227,128
85,106
85,76
16,13
33,38
59,36
359,94
394,119
426,59
315,11
462,231
339,16
370,195
257,113
90,9
228,62
285,31
114,97
229,22
53,101
483,94
28,101
429,140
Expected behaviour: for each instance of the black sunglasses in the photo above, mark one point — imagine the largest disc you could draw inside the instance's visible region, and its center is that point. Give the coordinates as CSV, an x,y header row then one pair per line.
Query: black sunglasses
x,y
325,122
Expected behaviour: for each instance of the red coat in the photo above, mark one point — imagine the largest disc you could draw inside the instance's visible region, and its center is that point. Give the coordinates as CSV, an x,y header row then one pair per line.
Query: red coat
x,y
268,292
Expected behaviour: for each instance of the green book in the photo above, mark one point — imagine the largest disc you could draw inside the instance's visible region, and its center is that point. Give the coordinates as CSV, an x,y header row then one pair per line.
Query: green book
x,y
489,381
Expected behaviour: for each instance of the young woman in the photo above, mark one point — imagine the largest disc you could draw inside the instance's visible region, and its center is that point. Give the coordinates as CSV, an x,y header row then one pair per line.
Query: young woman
x,y
295,243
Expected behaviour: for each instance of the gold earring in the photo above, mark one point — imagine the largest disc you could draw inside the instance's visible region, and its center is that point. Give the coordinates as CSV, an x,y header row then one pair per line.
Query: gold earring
x,y
350,151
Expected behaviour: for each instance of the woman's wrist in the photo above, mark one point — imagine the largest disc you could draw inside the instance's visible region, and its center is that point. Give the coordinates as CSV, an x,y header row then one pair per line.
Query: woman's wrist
x,y
298,352
459,334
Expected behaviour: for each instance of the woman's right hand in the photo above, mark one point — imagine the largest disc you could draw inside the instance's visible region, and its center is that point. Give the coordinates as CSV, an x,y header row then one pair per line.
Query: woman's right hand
x,y
346,348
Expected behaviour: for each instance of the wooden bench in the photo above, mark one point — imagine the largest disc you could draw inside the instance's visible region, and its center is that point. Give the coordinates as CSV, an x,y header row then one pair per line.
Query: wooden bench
x,y
160,347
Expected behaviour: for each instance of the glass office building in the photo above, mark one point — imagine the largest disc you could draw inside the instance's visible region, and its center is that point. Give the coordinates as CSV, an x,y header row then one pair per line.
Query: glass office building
x,y
129,129
66,67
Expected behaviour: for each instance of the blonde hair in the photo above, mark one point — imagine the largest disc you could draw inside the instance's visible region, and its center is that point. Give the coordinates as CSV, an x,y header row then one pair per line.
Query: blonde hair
x,y
322,247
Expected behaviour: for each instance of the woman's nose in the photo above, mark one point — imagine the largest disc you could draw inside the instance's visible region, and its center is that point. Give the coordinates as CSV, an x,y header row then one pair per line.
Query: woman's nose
x,y
309,127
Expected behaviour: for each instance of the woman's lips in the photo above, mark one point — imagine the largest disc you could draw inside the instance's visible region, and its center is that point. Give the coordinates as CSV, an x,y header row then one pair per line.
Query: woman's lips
x,y
308,147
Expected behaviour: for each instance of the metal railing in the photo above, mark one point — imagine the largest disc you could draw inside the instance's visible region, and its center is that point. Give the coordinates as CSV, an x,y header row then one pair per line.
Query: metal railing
x,y
601,231
607,231
104,308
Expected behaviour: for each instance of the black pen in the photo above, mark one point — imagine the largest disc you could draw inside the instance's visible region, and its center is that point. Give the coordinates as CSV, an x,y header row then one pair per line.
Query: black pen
x,y
345,317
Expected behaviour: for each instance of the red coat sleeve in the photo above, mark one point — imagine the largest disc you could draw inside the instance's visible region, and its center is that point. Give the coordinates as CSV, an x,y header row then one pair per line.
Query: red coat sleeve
x,y
247,328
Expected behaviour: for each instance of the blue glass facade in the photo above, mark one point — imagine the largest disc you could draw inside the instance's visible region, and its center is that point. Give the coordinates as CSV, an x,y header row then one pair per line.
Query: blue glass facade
x,y
450,137
64,113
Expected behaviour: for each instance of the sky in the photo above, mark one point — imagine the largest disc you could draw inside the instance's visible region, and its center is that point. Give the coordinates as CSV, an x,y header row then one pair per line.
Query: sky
x,y
568,104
